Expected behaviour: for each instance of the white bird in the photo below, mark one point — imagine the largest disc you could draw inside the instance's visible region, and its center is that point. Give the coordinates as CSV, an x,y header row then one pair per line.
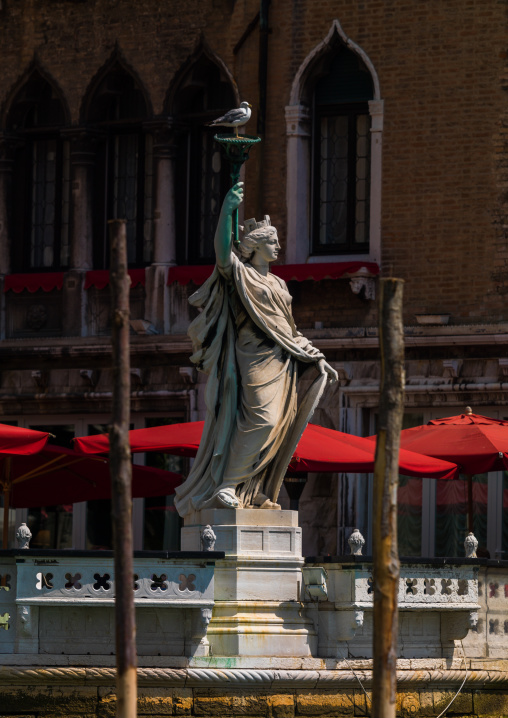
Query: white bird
x,y
234,118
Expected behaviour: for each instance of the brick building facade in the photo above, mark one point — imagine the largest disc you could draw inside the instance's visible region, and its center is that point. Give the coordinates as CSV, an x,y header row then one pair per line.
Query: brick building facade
x,y
384,149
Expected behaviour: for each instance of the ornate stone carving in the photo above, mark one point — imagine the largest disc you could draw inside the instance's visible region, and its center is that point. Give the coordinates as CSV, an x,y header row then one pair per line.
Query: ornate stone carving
x,y
363,286
451,368
470,545
356,543
4,621
25,620
206,616
23,536
208,539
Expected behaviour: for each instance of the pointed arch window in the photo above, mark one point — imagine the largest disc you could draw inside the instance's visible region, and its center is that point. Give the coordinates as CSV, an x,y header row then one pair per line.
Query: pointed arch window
x,y
41,180
203,94
123,187
341,156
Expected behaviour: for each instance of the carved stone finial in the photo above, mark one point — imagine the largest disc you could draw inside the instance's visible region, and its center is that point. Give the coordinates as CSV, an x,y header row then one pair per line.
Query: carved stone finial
x,y
23,536
470,545
356,543
365,287
208,539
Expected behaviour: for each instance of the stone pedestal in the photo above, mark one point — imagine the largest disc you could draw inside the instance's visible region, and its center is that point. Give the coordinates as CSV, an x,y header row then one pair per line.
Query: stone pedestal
x,y
258,609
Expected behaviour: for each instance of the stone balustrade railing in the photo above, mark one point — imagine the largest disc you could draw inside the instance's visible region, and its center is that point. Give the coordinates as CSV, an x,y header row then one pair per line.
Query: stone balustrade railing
x,y
65,600
438,603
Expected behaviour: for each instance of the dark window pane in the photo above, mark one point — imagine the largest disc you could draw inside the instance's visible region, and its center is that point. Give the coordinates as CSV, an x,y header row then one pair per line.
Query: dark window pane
x,y
409,516
452,511
341,181
409,504
43,203
162,523
99,529
203,175
125,187
51,526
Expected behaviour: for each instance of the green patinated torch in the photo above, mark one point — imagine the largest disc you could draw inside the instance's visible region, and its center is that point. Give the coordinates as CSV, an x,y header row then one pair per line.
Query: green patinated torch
x,y
237,148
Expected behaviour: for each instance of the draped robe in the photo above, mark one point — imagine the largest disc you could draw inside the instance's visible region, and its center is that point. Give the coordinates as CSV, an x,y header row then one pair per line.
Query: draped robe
x,y
246,340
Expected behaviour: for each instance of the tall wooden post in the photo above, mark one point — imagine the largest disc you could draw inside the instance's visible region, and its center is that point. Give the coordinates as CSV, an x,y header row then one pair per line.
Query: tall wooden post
x,y
121,474
386,478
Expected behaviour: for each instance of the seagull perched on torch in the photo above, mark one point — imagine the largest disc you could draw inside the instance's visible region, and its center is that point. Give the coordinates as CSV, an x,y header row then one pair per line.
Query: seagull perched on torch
x,y
234,118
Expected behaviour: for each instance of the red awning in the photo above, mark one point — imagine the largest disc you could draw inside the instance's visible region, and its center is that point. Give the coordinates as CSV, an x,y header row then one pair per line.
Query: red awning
x,y
33,282
298,272
99,278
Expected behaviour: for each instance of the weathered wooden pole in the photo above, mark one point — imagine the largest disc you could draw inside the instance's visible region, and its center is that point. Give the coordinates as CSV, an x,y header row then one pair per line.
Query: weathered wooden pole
x,y
121,475
386,478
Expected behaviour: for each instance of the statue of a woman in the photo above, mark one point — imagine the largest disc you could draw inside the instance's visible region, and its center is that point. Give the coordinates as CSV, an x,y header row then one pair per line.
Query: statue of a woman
x,y
245,339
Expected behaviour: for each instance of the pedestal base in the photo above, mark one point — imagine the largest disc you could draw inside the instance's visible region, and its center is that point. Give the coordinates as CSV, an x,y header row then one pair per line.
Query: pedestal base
x,y
258,609
246,532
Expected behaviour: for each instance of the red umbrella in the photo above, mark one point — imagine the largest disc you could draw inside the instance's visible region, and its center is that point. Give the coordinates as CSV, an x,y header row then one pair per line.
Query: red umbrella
x,y
319,449
56,475
16,440
177,439
476,443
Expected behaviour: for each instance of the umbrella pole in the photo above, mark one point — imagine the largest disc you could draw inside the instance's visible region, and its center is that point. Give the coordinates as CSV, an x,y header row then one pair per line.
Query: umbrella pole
x,y
121,477
6,492
385,558
470,520
5,537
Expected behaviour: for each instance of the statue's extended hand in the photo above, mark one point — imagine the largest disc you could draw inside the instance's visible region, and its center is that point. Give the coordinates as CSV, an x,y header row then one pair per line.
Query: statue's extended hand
x,y
234,198
325,368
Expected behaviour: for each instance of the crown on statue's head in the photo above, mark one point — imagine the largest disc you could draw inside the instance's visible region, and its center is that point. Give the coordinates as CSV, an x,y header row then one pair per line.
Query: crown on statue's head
x,y
250,224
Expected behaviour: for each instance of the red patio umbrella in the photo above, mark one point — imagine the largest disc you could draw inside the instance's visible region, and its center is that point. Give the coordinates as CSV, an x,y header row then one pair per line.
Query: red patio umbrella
x,y
319,449
478,444
16,440
56,475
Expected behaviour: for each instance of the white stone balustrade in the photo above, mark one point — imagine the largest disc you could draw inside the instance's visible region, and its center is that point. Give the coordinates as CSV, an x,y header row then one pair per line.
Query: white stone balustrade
x,y
64,603
438,604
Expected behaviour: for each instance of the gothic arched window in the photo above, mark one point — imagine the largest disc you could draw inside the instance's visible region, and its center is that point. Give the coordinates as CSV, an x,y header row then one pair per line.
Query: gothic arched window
x,y
341,155
203,94
41,186
123,186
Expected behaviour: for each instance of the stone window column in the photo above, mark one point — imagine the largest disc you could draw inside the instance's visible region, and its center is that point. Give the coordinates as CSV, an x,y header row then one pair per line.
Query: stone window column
x,y
165,135
83,145
298,130
157,307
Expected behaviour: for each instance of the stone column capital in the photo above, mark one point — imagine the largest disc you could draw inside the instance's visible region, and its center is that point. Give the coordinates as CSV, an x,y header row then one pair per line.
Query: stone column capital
x,y
298,119
165,132
83,143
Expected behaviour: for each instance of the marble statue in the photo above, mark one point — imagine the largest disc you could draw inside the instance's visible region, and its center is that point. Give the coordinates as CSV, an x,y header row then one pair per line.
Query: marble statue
x,y
246,340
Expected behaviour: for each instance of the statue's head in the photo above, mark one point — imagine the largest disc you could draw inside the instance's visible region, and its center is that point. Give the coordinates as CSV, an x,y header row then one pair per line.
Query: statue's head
x,y
255,233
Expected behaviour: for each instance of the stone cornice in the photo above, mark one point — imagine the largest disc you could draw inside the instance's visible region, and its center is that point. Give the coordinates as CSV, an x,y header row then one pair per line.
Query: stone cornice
x,y
328,339
231,678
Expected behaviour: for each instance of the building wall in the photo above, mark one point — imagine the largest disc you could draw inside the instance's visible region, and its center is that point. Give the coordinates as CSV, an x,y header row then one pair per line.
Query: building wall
x,y
442,77
442,74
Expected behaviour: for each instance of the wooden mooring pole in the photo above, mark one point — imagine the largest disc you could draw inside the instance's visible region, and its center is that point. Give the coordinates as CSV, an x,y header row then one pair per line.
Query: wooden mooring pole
x,y
385,556
121,476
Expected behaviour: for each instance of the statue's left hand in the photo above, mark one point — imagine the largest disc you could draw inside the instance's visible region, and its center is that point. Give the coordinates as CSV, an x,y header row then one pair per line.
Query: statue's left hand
x,y
325,368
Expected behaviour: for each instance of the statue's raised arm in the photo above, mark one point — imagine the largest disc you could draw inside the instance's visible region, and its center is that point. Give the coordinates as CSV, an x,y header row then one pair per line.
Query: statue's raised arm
x,y
247,342
223,233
